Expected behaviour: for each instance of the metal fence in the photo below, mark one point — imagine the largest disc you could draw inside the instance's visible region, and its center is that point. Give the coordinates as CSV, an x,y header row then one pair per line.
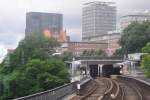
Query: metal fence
x,y
54,94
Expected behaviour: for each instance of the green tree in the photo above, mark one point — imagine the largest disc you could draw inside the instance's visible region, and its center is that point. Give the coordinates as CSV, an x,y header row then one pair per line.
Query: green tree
x,y
135,37
67,56
93,52
146,65
32,68
30,48
84,53
146,60
118,52
100,52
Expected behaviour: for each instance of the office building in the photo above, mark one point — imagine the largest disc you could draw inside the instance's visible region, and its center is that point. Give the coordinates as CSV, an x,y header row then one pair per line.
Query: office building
x,y
49,24
125,21
97,19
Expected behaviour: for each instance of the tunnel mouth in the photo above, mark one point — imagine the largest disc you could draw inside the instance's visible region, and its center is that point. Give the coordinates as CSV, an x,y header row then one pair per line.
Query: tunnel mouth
x,y
109,70
106,71
116,71
94,71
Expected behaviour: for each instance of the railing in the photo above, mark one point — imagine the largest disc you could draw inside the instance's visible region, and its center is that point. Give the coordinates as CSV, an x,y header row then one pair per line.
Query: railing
x,y
98,58
84,80
54,94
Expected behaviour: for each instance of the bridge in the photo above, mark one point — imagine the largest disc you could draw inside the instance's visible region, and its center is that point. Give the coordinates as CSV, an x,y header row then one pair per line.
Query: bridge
x,y
99,60
94,66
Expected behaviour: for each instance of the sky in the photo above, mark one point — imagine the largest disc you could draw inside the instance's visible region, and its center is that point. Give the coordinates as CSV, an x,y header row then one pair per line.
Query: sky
x,y
13,15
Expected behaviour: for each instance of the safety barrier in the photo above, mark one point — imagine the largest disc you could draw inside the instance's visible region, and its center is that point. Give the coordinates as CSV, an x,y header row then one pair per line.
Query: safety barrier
x,y
53,94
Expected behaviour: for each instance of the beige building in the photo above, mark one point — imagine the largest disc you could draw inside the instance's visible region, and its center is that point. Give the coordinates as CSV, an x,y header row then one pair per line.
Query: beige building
x,y
113,42
112,39
128,19
78,47
108,43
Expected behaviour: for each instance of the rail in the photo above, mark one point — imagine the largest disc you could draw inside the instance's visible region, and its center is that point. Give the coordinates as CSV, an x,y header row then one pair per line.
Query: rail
x,y
115,94
93,94
123,94
119,89
110,86
137,83
139,94
140,82
90,92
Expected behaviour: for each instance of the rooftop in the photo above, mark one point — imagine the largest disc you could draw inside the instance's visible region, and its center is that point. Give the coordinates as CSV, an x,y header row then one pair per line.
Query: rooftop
x,y
99,2
41,13
137,15
90,42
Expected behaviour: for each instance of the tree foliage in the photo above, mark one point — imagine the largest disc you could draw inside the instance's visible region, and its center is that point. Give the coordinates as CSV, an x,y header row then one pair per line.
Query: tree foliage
x,y
93,52
146,60
118,52
32,69
67,56
135,37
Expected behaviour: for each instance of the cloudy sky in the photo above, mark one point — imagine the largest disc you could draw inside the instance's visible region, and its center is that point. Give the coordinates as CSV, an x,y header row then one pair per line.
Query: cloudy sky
x,y
12,16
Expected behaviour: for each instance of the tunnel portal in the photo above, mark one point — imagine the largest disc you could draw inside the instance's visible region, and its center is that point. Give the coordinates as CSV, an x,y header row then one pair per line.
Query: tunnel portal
x,y
94,71
105,71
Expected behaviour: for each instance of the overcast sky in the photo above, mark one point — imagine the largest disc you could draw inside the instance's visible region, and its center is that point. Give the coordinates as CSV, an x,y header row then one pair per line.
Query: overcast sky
x,y
12,16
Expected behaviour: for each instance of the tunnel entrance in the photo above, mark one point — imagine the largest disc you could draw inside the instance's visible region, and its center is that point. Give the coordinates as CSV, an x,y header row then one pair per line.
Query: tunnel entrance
x,y
107,70
116,71
94,71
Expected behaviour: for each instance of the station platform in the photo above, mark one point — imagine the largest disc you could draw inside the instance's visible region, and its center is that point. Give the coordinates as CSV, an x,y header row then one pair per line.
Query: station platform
x,y
139,75
69,97
81,82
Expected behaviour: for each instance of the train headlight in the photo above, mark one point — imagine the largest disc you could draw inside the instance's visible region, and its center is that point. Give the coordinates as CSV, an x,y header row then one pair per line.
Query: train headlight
x,y
121,72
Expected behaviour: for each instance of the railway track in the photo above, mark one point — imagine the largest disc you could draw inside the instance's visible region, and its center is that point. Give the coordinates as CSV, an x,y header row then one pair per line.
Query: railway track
x,y
108,89
102,85
105,89
115,93
131,92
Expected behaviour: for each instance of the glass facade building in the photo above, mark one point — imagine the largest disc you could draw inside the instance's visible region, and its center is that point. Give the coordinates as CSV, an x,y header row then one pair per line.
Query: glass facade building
x,y
37,22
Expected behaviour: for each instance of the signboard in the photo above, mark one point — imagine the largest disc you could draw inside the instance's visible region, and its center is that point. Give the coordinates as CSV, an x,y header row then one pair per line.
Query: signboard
x,y
135,56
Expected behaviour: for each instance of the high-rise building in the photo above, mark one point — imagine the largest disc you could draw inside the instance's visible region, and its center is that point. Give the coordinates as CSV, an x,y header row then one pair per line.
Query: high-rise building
x,y
128,19
98,18
49,24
